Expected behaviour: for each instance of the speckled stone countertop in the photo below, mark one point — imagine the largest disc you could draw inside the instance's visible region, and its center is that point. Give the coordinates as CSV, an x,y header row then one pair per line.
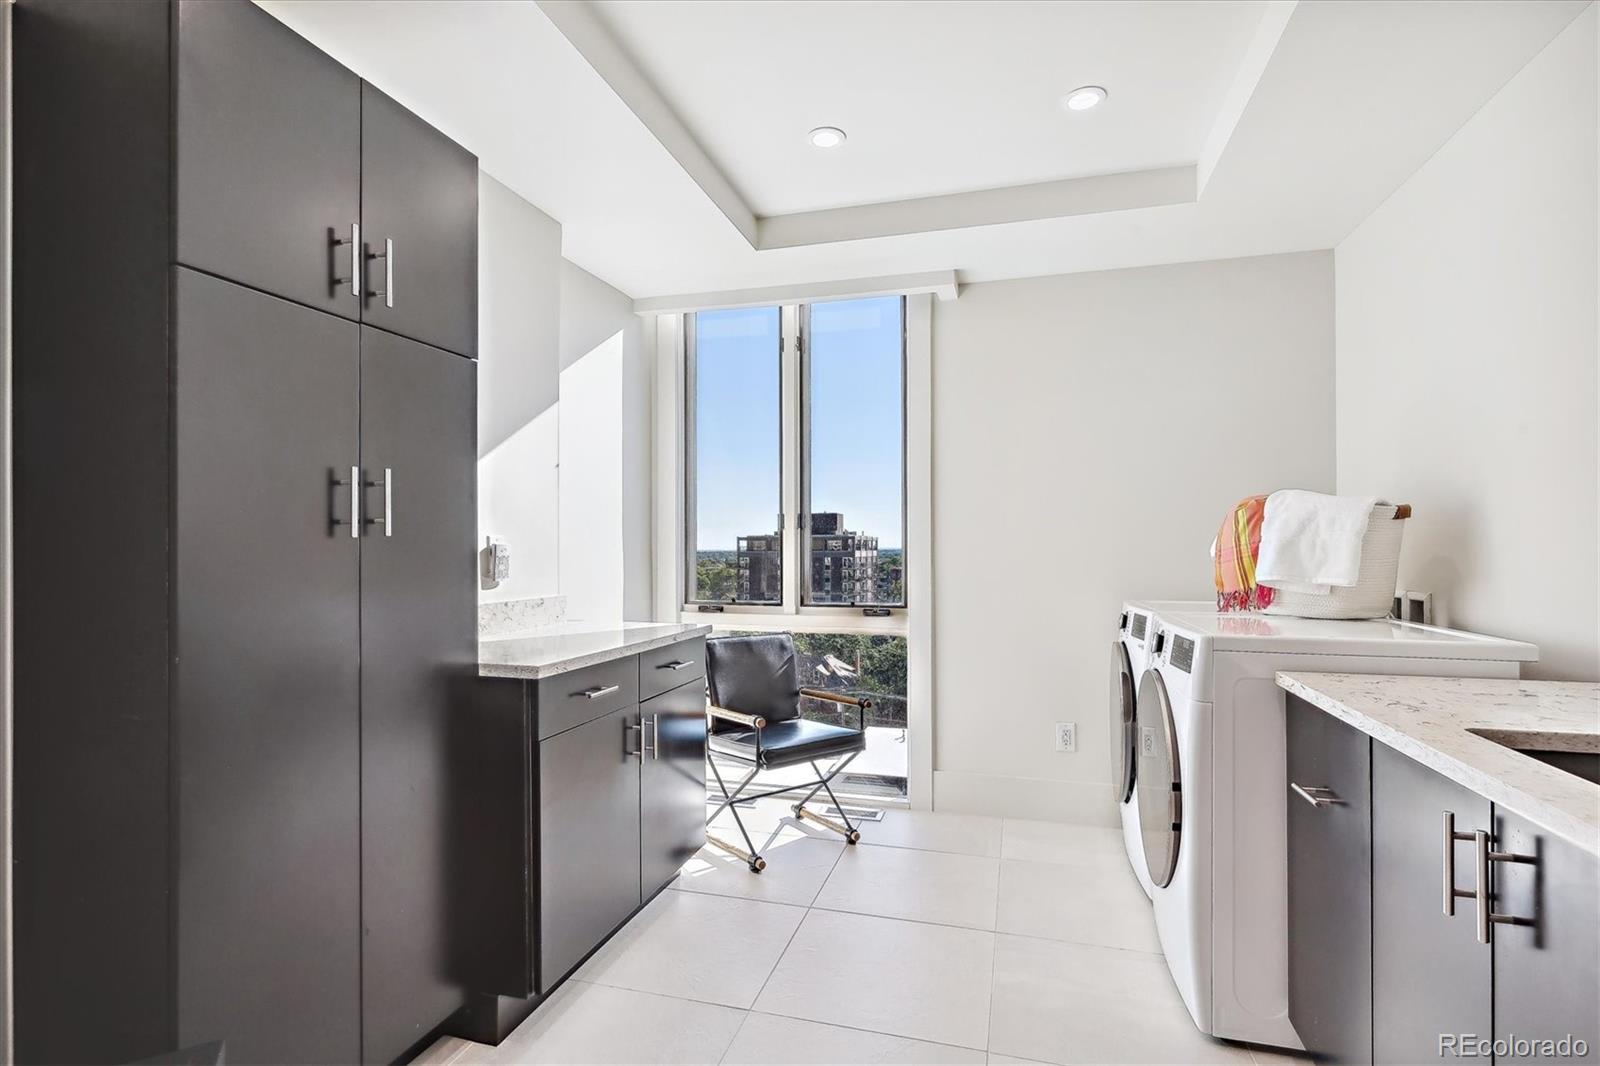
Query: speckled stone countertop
x,y
1452,725
574,646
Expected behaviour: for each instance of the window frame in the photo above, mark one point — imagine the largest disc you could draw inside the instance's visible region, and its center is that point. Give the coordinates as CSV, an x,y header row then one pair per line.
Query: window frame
x,y
794,321
803,335
691,473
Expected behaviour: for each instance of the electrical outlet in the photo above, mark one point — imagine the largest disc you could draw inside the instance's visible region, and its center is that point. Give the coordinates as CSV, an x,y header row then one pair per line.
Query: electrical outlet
x,y
1066,736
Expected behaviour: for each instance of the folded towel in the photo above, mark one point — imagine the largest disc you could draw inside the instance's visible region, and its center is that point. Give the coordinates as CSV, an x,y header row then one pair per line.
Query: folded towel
x,y
1311,541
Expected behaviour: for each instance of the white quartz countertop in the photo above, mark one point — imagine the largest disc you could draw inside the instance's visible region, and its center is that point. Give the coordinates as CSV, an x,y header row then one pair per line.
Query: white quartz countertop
x,y
1454,724
545,653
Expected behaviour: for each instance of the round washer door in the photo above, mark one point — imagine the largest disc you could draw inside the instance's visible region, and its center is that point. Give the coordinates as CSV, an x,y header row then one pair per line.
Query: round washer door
x,y
1124,703
1159,778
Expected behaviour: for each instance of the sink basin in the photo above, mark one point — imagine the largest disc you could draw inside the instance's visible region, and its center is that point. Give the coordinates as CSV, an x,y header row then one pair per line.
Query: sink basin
x,y
1575,753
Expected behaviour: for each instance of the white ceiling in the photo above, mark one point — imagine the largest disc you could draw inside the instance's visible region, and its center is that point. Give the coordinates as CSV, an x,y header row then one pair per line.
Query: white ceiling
x,y
1310,125
936,98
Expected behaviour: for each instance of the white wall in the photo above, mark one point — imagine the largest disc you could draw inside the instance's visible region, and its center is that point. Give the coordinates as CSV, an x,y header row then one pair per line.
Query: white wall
x,y
1089,431
1467,353
606,380
519,316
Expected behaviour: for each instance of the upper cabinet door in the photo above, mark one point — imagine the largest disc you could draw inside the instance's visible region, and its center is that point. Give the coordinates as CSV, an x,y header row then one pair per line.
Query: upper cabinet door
x,y
419,219
269,156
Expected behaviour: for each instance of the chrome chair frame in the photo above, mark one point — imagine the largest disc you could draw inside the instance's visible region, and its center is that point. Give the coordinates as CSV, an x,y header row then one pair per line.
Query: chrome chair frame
x,y
824,782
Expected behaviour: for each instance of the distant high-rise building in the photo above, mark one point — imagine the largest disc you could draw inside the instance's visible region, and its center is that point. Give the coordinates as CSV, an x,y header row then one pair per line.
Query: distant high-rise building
x,y
760,563
844,565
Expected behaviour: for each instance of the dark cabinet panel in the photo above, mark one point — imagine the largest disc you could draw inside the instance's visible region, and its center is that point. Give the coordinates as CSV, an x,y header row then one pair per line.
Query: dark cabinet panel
x,y
588,839
1429,973
579,696
418,645
672,782
1330,879
268,155
266,674
419,197
1547,975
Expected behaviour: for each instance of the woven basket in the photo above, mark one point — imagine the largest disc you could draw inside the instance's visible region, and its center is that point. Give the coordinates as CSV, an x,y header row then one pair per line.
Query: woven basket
x,y
1372,596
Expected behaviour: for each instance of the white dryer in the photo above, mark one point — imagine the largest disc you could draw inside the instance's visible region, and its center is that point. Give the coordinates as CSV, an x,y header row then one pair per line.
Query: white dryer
x,y
1212,795
1128,659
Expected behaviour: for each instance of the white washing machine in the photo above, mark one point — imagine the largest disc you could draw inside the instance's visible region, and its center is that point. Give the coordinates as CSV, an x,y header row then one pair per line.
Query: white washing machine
x,y
1128,659
1211,789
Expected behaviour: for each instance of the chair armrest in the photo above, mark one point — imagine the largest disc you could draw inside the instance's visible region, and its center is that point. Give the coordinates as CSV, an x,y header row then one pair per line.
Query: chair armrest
x,y
860,703
752,720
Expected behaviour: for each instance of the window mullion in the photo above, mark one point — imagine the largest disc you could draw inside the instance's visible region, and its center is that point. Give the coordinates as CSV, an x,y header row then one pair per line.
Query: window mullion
x,y
792,393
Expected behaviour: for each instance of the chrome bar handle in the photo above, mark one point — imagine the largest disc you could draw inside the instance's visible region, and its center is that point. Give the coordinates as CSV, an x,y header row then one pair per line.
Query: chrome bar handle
x,y
1451,892
676,664
355,259
387,521
1324,797
598,691
654,748
1486,913
387,292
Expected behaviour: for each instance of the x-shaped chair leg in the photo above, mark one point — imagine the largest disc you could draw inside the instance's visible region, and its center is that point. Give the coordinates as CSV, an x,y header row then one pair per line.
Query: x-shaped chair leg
x,y
729,801
850,833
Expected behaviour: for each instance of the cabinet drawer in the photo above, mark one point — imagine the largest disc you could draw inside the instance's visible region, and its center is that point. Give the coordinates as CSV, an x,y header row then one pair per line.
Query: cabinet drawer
x,y
664,669
583,695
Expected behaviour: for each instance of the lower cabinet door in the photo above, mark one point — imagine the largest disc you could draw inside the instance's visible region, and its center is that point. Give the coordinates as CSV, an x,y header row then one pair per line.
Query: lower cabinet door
x,y
1330,874
1546,975
1431,978
672,783
588,838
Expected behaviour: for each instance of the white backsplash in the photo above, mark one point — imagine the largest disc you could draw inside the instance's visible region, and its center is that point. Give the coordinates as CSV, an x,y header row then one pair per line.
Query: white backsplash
x,y
509,618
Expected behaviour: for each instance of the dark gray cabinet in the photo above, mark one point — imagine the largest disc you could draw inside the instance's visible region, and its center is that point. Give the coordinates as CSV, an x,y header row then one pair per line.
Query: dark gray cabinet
x,y
672,778
584,803
418,646
1546,975
1517,964
588,838
1429,973
268,156
419,226
233,804
1330,850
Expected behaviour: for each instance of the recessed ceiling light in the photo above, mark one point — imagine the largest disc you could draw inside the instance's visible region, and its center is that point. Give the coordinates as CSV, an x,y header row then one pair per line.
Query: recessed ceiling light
x,y
1083,99
826,137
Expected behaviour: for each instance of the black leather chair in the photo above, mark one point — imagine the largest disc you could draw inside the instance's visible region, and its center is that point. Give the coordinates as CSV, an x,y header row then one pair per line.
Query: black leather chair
x,y
755,719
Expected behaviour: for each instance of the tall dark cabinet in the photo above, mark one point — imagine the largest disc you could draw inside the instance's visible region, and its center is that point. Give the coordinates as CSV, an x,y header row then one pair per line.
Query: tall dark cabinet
x,y
245,595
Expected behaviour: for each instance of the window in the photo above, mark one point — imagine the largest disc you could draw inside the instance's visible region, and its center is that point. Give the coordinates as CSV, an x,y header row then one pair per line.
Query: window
x,y
801,405
735,452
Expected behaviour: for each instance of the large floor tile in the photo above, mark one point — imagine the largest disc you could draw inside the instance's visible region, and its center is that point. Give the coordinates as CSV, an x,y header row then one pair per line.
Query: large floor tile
x,y
796,868
595,1023
765,820
964,834
1088,904
697,946
769,1039
1264,1056
927,982
1074,845
1071,1003
923,886
448,1050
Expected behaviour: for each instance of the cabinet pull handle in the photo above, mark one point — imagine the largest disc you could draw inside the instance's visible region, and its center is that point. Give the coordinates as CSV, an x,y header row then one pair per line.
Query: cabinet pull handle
x,y
387,521
1451,892
387,292
598,691
627,750
676,664
1487,917
355,259
1316,795
654,722
355,502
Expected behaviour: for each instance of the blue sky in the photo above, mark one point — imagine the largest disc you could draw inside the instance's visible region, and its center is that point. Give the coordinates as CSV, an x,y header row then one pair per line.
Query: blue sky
x,y
856,410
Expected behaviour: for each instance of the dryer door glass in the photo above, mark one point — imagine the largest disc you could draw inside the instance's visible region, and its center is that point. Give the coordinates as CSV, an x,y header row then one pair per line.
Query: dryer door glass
x,y
1159,779
1122,722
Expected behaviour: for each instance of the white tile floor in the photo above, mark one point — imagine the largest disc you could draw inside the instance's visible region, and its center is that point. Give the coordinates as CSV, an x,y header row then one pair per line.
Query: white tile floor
x,y
943,938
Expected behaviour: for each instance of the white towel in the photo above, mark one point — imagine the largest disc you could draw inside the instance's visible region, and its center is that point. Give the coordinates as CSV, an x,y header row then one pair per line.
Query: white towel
x,y
1311,541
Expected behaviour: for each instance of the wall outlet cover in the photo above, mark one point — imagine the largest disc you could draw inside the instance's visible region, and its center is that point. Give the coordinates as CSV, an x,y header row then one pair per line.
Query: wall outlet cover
x,y
1066,736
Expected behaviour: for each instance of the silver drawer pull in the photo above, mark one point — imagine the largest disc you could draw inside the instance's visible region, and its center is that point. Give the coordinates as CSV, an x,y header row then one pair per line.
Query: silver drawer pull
x,y
1316,795
1486,913
1451,892
676,664
355,258
598,691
